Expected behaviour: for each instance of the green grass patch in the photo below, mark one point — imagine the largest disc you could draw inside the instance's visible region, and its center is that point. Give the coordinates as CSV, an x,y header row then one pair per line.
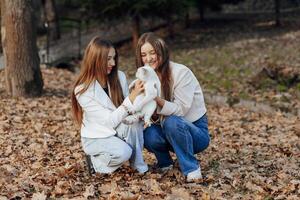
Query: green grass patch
x,y
281,88
298,87
244,95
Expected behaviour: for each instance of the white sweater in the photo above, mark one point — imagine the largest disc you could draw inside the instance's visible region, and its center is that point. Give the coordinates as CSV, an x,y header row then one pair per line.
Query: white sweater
x,y
187,97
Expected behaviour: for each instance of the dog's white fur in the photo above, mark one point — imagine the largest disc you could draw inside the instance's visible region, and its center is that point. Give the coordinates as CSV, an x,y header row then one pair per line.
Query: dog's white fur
x,y
145,103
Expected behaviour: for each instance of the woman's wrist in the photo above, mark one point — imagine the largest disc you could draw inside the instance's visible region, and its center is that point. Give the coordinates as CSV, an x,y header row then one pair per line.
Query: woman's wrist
x,y
160,102
131,97
126,109
127,105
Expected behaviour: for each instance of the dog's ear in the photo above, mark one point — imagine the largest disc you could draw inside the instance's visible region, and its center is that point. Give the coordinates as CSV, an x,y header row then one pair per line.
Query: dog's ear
x,y
145,71
141,73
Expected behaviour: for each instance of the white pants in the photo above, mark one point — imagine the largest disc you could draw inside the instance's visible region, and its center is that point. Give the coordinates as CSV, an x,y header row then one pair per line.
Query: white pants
x,y
108,154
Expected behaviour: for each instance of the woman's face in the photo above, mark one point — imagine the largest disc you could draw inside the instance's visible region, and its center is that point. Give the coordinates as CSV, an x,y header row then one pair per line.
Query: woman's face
x,y
111,60
149,55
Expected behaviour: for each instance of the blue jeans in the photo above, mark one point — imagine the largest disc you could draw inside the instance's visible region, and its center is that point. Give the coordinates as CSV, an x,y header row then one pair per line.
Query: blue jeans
x,y
180,136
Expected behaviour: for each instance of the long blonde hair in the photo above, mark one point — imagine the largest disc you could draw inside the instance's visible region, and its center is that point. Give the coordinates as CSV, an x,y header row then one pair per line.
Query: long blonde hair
x,y
162,52
94,68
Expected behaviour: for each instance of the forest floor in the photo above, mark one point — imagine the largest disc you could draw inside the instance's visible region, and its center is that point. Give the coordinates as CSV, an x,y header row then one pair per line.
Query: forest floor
x,y
252,155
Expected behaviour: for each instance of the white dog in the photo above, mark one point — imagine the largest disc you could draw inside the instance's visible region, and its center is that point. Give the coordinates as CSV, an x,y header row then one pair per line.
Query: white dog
x,y
145,103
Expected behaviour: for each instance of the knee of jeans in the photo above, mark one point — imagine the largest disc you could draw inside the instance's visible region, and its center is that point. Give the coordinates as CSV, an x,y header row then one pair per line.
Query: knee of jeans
x,y
152,141
208,140
171,123
122,154
136,128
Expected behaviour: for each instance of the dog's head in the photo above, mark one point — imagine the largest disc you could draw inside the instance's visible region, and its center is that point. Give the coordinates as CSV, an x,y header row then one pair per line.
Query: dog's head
x,y
145,72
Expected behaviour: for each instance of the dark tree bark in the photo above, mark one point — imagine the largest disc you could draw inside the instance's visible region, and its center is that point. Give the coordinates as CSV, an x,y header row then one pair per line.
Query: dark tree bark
x,y
22,70
39,16
170,26
277,12
135,30
201,7
187,23
1,50
51,18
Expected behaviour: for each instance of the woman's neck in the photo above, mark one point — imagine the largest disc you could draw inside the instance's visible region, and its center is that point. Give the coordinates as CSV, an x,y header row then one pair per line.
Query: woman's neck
x,y
102,83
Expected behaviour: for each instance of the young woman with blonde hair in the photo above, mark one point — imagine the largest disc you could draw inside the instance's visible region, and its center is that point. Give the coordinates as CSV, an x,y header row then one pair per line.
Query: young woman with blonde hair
x,y
183,127
100,102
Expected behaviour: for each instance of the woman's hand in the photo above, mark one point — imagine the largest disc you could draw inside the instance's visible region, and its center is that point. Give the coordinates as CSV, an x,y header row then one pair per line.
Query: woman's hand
x,y
138,88
160,102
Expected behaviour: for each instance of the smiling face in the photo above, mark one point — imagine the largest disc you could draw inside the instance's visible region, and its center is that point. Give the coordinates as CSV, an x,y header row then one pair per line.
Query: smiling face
x,y
149,55
111,62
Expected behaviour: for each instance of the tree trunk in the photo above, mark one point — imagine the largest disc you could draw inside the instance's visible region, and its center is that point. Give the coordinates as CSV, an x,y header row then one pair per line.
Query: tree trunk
x,y
135,30
39,16
22,71
1,50
277,12
187,23
201,6
52,19
170,27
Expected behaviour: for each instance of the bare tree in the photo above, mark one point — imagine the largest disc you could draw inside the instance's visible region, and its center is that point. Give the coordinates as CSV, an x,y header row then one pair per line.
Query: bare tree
x,y
277,12
39,16
22,70
51,18
135,30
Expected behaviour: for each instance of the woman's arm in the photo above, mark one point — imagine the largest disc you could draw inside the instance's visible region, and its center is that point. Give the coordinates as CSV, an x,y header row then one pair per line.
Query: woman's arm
x,y
98,113
183,96
160,102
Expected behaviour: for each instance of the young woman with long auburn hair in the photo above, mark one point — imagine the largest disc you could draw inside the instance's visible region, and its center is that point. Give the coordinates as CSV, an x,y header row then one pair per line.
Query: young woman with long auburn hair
x,y
100,102
183,126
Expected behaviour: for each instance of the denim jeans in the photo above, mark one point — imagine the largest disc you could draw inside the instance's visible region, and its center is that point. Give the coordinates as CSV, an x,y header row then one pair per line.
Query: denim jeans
x,y
180,136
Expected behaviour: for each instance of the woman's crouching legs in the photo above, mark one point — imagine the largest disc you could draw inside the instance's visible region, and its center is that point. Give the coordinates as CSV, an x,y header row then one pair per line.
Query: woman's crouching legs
x,y
107,154
135,139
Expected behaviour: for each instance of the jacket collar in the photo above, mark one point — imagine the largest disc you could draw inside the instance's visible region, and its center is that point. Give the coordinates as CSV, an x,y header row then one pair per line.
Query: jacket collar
x,y
101,96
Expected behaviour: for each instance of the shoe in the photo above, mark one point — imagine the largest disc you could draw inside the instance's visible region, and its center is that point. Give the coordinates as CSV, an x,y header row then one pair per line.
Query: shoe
x,y
141,170
165,169
194,175
90,165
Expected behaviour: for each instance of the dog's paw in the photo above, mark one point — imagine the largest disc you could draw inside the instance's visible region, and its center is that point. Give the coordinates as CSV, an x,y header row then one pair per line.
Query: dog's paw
x,y
147,124
130,119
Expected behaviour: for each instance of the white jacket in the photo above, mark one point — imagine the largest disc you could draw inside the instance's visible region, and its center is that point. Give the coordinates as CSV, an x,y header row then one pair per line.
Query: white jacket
x,y
100,116
187,97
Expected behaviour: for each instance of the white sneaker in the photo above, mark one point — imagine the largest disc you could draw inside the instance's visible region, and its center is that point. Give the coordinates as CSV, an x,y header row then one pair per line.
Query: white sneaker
x,y
142,170
194,175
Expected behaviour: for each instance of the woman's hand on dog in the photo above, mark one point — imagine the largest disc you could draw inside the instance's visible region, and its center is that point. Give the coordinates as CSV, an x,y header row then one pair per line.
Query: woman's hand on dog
x,y
138,89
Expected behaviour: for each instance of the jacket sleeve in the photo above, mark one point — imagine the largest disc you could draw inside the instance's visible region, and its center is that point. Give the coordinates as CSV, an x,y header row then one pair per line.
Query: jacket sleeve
x,y
183,96
96,113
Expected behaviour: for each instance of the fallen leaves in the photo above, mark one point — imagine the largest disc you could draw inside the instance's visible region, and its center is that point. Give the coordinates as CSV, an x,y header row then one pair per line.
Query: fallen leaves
x,y
251,155
180,194
39,196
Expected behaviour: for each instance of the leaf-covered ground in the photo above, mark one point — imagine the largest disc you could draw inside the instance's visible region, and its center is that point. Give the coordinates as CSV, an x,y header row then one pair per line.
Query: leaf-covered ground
x,y
251,156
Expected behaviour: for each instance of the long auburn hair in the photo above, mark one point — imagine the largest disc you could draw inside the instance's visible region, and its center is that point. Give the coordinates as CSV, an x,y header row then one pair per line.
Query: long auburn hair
x,y
162,52
94,68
